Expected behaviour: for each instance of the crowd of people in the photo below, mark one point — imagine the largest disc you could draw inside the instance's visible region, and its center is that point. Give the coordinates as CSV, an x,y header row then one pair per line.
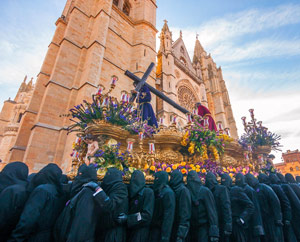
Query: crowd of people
x,y
47,207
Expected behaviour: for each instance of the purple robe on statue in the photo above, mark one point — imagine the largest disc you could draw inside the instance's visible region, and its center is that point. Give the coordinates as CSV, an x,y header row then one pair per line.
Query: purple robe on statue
x,y
145,108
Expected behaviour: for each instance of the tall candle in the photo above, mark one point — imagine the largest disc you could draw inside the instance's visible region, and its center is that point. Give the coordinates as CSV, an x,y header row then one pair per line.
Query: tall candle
x,y
220,126
189,118
141,135
114,80
130,146
161,121
151,148
174,119
99,91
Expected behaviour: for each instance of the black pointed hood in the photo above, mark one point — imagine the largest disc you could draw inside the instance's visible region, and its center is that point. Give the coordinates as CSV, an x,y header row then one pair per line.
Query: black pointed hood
x,y
290,178
194,184
281,178
137,183
50,174
112,177
274,179
12,174
251,180
240,180
226,180
85,174
263,178
176,180
160,181
211,180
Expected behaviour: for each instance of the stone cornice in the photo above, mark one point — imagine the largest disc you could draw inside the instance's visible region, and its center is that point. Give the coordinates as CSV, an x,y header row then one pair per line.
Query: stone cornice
x,y
48,126
70,88
16,147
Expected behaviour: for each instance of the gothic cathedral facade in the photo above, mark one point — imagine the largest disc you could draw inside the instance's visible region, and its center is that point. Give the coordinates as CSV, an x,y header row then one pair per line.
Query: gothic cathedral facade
x,y
94,40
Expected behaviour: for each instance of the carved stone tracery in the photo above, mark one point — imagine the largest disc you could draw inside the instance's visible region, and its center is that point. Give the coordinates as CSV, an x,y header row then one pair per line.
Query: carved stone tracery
x,y
186,98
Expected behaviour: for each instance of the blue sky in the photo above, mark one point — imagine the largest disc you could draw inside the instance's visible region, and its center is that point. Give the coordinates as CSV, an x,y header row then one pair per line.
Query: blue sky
x,y
256,42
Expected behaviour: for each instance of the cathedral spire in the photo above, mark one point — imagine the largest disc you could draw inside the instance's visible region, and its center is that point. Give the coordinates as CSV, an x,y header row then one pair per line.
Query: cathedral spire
x,y
165,28
198,50
165,38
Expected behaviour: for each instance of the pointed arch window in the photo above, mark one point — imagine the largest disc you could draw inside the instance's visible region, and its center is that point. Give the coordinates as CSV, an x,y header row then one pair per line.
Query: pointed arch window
x,y
116,2
183,61
182,50
126,7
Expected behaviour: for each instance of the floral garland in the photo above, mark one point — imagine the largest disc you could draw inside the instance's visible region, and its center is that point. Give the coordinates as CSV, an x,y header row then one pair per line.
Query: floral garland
x,y
199,140
122,114
200,167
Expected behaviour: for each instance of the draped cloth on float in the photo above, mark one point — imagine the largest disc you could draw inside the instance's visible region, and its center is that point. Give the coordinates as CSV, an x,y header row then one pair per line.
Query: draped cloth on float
x,y
204,112
145,109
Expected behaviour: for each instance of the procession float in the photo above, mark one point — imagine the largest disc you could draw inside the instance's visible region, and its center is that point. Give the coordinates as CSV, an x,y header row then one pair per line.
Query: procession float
x,y
111,133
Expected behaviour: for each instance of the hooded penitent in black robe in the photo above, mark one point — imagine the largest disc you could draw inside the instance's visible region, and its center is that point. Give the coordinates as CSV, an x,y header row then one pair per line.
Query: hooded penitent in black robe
x,y
42,207
141,207
183,207
241,207
293,184
113,201
223,204
164,209
286,209
204,217
270,209
13,197
78,220
12,174
294,201
255,228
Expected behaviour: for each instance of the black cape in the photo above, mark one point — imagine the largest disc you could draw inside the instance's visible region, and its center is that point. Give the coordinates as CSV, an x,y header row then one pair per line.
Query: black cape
x,y
293,199
293,184
141,207
78,220
42,208
204,217
255,228
12,174
113,201
164,209
270,209
242,209
182,217
223,204
286,209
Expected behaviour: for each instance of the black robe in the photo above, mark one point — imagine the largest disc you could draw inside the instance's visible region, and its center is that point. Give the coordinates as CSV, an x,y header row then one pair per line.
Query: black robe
x,y
164,209
42,208
183,207
255,228
293,184
141,207
223,204
242,209
293,199
78,220
113,201
12,202
286,209
270,209
204,217
13,196
12,174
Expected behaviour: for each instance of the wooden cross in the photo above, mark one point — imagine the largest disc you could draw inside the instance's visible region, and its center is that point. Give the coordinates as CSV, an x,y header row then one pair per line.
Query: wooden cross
x,y
142,82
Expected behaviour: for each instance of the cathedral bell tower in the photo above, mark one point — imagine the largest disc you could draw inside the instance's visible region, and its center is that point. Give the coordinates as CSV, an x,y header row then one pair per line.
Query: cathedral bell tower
x,y
94,40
